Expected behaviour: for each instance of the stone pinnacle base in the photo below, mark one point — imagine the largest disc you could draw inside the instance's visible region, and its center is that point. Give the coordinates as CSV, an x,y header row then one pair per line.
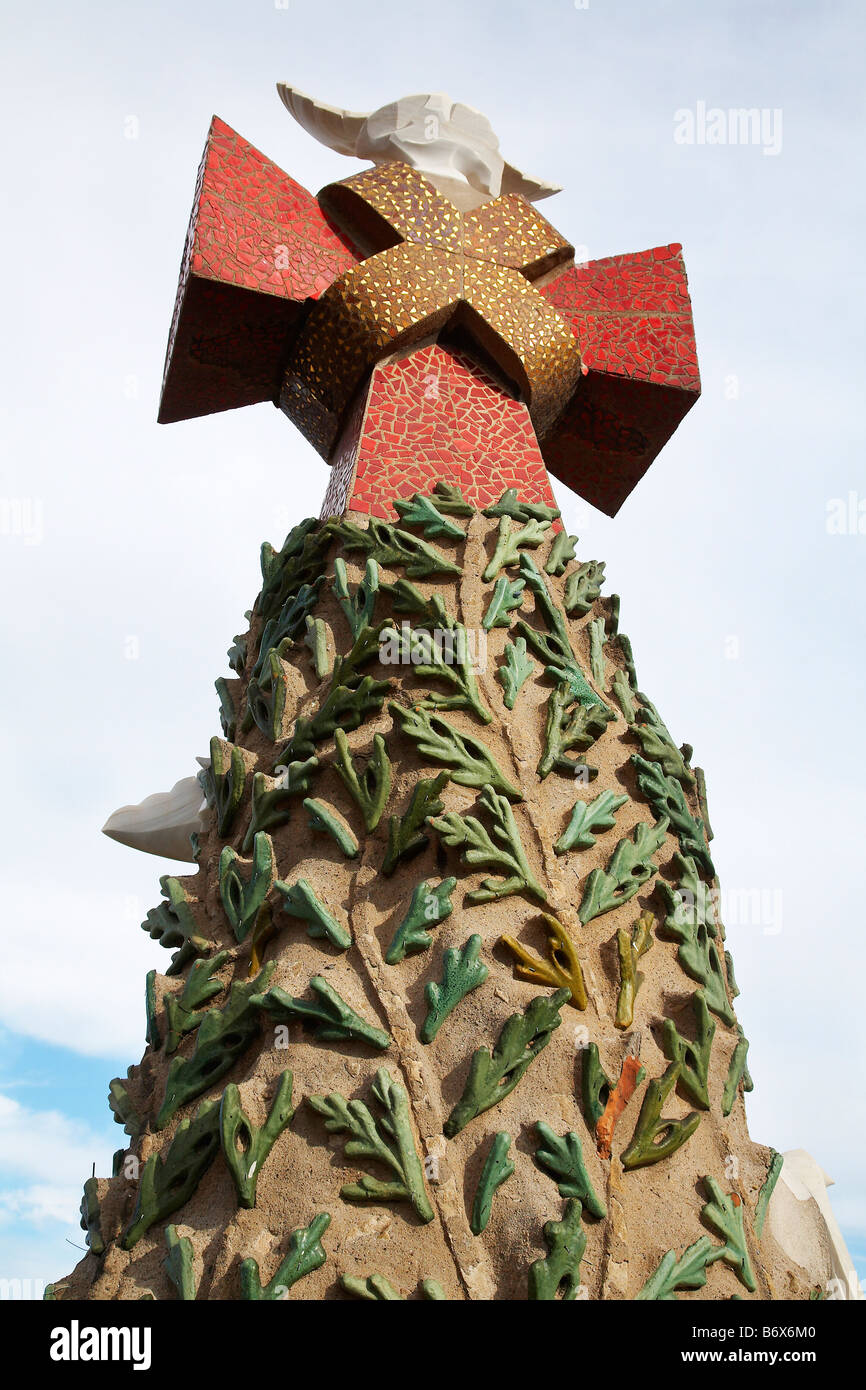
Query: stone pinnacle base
x,y
450,1009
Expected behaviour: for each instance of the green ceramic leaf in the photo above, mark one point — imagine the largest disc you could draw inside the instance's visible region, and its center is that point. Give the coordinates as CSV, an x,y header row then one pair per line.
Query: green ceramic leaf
x,y
328,1015
691,920
737,1072
223,782
497,1169
181,1009
323,819
394,548
630,867
406,833
423,512
569,726
502,852
300,901
507,595
666,797
724,1215
429,907
173,923
371,787
358,607
564,1159
631,946
169,1179
305,1254
388,1141
693,1057
517,667
656,1138
589,819
243,891
766,1192
583,587
462,971
566,1242
553,647
178,1264
561,552
246,1146
509,505
223,1036
471,762
444,653
342,708
494,1075
510,541
273,797
687,1272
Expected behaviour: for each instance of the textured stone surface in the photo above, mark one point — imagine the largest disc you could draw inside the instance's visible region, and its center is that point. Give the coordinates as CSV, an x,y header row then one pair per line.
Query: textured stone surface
x,y
651,1209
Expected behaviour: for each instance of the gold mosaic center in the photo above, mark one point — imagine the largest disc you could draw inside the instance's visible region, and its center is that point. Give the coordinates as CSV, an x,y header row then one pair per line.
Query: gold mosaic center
x,y
427,263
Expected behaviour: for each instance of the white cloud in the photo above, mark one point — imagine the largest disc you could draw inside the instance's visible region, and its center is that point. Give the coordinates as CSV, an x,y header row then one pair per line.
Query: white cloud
x,y
91,999
43,1256
40,1204
51,1150
51,1155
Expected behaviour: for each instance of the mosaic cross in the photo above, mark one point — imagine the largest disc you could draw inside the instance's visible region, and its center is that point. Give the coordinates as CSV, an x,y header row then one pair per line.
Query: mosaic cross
x,y
409,341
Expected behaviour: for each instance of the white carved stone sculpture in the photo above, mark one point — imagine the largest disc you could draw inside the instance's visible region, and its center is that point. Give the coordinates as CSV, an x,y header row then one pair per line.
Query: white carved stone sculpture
x,y
162,823
801,1219
453,145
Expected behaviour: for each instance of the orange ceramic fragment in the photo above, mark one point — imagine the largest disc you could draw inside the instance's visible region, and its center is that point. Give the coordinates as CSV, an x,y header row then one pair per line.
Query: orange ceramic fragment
x,y
629,1079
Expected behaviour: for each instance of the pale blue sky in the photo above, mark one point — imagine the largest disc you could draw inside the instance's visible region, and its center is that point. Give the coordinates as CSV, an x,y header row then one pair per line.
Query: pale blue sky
x,y
746,615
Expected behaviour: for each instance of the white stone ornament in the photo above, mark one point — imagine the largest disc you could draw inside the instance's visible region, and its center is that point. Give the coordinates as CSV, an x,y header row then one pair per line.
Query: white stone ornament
x,y
162,823
801,1219
452,145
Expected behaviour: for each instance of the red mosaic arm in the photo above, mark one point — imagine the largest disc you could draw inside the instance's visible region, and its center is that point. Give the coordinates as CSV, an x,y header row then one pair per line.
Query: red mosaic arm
x,y
257,249
632,318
